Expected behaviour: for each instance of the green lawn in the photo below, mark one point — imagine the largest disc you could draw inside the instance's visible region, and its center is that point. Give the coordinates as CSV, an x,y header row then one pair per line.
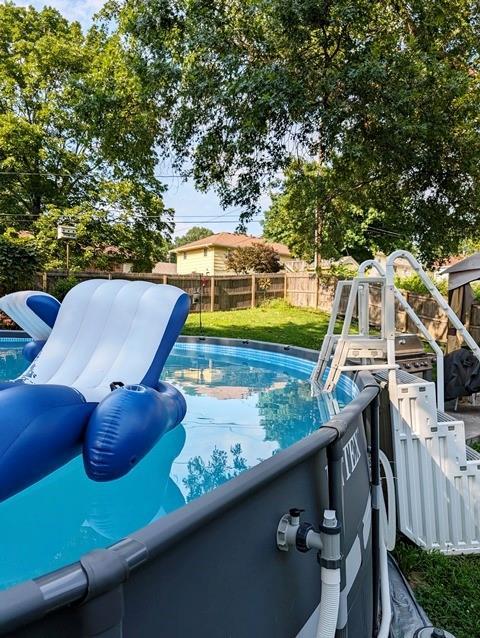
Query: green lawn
x,y
447,587
276,322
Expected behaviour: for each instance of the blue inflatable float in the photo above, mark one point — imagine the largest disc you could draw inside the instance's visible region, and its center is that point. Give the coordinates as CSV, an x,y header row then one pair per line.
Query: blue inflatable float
x,y
35,312
93,383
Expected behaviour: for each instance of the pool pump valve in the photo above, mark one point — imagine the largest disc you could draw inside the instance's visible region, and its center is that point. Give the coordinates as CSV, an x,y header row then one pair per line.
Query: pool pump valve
x,y
291,532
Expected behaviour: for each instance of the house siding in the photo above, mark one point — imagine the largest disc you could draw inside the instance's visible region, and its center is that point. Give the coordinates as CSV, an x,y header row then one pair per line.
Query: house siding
x,y
196,261
220,261
214,263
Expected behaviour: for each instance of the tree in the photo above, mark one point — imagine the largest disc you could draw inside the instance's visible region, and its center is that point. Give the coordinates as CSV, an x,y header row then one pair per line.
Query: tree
x,y
193,234
102,241
19,261
75,127
382,95
255,258
292,217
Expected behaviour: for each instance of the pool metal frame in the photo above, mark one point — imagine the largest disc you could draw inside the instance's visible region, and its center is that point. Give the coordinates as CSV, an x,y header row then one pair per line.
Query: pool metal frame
x,y
126,589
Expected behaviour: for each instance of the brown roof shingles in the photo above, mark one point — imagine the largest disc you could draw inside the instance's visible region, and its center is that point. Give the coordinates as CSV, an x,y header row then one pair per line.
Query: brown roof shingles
x,y
231,240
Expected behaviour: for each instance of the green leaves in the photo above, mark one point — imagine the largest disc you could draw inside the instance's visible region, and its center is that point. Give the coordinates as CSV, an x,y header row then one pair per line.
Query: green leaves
x,y
77,140
382,95
19,261
256,258
193,234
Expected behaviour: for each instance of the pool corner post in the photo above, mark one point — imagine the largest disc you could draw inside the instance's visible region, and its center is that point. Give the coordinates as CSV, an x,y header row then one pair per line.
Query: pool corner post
x,y
376,496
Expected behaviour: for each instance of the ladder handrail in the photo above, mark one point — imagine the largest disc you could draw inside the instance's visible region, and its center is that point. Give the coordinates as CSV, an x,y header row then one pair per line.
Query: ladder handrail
x,y
359,292
372,263
433,290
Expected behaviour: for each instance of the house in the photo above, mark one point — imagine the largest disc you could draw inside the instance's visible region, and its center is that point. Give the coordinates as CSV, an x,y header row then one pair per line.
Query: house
x,y
300,265
208,256
402,267
165,268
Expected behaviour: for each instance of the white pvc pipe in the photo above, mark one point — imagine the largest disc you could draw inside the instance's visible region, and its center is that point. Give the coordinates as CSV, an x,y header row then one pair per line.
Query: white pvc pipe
x,y
329,603
384,629
388,521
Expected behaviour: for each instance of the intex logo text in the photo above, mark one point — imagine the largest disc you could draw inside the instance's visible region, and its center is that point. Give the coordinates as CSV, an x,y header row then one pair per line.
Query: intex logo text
x,y
351,455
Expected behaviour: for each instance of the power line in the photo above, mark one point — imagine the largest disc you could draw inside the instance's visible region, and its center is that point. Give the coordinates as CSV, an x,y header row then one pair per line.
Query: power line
x,y
28,220
52,174
180,220
43,173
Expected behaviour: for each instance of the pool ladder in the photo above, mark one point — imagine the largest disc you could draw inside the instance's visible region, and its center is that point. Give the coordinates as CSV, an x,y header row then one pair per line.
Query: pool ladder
x,y
437,475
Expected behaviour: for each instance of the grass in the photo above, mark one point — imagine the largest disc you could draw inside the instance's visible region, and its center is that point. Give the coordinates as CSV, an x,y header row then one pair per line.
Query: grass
x,y
276,321
448,587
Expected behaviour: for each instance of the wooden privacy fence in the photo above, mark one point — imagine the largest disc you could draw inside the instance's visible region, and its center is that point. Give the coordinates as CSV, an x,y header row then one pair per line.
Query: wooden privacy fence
x,y
231,292
307,290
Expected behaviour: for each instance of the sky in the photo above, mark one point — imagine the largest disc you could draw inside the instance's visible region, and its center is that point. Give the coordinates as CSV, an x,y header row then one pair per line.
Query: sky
x,y
192,208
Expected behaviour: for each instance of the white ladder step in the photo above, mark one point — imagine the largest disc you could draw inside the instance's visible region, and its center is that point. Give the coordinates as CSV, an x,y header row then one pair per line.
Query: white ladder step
x,y
472,455
402,377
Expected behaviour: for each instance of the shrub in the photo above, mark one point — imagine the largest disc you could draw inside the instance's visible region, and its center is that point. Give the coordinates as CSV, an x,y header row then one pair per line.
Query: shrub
x,y
62,286
19,262
476,290
413,283
276,304
342,271
255,258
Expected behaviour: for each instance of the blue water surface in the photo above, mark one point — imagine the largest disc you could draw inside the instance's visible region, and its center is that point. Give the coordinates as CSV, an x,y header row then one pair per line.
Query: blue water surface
x,y
242,407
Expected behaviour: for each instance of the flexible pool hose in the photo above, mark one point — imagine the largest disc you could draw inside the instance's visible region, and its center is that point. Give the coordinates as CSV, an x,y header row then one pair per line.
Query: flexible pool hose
x,y
388,520
387,542
329,603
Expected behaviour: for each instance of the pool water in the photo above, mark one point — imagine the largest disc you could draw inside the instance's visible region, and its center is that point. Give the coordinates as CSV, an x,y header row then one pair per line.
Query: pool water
x,y
242,407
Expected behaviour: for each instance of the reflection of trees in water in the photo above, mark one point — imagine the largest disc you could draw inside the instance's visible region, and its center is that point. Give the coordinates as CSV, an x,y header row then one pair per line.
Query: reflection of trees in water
x,y
288,414
209,373
203,478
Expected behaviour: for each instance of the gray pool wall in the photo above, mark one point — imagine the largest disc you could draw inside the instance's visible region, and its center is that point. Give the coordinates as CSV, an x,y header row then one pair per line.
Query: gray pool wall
x,y
212,568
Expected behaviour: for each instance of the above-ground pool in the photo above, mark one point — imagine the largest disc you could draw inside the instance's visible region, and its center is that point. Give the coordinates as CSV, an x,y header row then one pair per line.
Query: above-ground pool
x,y
243,406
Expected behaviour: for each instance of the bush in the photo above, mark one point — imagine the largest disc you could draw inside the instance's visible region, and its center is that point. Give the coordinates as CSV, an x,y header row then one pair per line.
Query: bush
x,y
413,283
255,258
276,304
62,286
476,290
19,262
342,271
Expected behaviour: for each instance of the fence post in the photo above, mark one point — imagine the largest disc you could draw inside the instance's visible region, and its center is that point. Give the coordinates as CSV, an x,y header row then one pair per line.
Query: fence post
x,y
253,291
317,284
285,286
44,282
164,279
212,293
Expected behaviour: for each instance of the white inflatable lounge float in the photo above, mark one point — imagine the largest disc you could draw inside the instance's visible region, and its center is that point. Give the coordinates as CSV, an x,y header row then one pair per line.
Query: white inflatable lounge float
x,y
95,384
34,311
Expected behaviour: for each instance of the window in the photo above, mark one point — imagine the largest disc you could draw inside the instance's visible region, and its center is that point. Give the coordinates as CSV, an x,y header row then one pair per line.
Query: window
x,y
184,255
205,252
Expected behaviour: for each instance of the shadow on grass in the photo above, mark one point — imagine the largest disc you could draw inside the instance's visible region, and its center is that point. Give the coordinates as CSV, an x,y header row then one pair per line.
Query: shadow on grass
x,y
305,334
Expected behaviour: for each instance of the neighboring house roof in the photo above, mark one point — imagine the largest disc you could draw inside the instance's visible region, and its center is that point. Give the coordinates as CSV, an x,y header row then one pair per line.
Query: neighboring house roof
x,y
348,260
165,268
231,240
